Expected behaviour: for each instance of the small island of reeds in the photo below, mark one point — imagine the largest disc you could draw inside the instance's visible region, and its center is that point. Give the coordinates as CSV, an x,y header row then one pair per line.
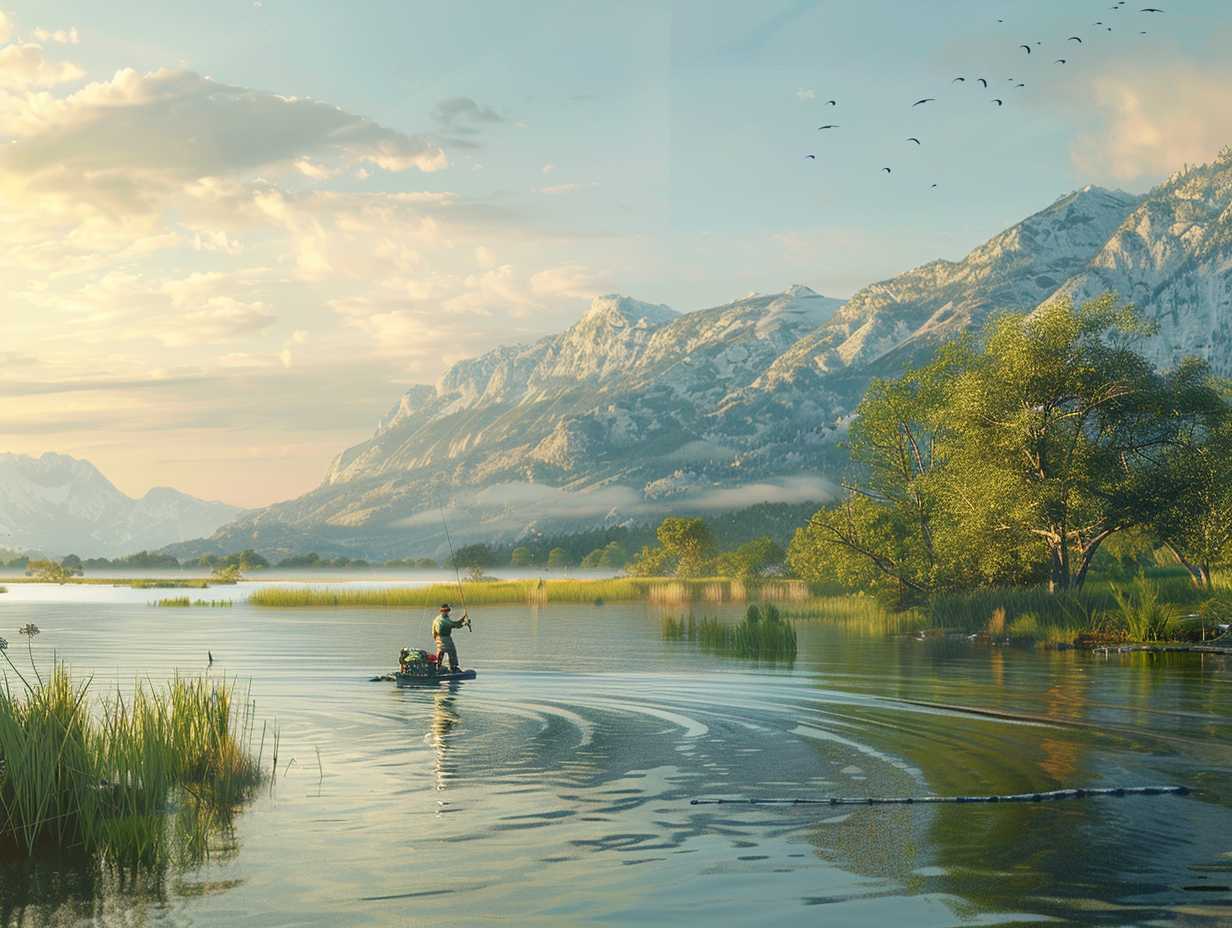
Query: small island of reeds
x,y
763,634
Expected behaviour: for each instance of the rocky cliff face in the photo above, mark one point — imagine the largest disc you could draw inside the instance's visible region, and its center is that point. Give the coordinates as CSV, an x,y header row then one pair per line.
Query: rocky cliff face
x,y
642,408
63,505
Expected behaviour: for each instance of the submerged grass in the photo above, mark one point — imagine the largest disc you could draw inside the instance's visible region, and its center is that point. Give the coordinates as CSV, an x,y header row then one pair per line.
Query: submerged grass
x,y
538,592
132,779
182,602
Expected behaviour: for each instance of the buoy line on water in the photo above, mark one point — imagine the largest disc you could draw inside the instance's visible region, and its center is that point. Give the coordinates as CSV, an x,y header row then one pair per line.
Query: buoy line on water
x,y
1049,796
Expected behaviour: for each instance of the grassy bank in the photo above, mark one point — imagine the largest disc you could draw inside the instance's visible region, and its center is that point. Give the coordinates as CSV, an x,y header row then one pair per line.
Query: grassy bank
x,y
127,779
538,592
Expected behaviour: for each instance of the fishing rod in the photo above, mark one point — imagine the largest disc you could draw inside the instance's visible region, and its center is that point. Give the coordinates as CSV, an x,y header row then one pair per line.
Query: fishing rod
x,y
453,559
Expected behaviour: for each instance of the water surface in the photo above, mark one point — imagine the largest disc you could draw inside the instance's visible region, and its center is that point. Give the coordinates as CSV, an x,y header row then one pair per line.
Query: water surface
x,y
555,789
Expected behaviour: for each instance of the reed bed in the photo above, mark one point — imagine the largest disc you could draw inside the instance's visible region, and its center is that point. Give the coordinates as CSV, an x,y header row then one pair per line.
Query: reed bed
x,y
137,583
763,634
130,779
858,613
537,592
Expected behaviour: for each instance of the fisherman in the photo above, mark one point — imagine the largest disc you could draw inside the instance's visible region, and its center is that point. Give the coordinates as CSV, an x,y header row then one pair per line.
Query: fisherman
x,y
442,631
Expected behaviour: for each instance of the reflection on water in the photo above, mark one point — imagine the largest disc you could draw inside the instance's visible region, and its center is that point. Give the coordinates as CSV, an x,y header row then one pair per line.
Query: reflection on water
x,y
554,789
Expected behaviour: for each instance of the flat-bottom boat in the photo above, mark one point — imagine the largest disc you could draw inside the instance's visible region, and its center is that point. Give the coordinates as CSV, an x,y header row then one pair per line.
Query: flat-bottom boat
x,y
429,679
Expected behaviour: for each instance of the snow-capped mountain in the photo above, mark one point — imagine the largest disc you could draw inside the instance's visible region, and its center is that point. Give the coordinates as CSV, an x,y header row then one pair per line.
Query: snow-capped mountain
x,y
63,505
637,408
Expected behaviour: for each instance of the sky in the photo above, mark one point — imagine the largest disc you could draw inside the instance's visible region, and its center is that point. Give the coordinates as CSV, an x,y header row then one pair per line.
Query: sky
x,y
232,233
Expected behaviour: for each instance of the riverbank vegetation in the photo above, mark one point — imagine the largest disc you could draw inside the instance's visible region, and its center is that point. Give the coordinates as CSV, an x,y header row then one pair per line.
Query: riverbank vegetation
x,y
131,779
183,602
661,590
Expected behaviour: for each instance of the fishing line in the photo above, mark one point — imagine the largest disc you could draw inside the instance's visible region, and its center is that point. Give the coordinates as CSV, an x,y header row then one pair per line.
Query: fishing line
x,y
1050,796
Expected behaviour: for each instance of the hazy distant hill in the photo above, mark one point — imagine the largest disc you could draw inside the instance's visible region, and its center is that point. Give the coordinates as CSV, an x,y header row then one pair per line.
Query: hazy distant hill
x,y
637,409
62,505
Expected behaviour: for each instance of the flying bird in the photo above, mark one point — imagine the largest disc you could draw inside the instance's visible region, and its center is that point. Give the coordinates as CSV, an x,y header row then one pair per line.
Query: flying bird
x,y
831,103
930,188
1019,85
984,82
1061,61
1027,47
914,139
1074,38
1152,9
958,80
827,126
925,100
887,170
813,157
999,102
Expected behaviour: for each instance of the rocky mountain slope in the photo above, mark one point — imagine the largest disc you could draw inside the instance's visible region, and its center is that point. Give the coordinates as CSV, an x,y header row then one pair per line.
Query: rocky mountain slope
x,y
63,505
636,409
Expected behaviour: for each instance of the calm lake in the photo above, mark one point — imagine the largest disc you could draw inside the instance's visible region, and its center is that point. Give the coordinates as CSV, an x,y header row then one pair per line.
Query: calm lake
x,y
554,789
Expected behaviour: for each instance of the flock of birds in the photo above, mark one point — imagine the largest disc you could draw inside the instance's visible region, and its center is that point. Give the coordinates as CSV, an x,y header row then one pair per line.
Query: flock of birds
x,y
1073,41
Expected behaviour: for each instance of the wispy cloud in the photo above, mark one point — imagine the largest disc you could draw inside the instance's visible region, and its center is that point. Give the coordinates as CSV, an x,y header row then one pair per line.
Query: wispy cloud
x,y
1153,120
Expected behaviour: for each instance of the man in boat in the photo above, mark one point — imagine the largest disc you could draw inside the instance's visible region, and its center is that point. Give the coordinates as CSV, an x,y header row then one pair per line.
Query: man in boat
x,y
442,630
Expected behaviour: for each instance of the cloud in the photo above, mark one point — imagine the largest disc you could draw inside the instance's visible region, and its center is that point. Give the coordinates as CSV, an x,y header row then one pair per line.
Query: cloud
x,y
558,189
6,26
571,280
1154,120
806,94
59,36
127,143
23,65
464,115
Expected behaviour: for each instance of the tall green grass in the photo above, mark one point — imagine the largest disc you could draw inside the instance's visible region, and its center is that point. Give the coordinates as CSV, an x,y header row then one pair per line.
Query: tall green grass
x,y
122,778
762,635
857,613
535,592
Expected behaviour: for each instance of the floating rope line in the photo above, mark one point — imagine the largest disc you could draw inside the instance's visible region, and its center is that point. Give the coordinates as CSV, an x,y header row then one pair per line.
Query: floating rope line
x,y
1051,796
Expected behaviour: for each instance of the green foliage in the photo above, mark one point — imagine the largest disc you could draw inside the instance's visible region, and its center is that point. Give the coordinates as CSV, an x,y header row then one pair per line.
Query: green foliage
x,y
226,573
1142,612
51,572
688,542
521,556
612,555
183,602
762,635
470,557
751,560
558,558
1012,463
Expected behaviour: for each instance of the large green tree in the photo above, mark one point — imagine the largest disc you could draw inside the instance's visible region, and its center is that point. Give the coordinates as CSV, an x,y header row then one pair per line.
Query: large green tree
x,y
687,542
1012,461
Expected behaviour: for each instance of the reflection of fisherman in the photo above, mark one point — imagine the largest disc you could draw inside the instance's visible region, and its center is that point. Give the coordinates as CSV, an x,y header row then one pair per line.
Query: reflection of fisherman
x,y
442,631
444,720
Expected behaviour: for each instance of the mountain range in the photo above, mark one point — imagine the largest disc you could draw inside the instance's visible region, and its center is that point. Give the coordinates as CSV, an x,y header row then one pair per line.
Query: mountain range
x,y
61,505
637,409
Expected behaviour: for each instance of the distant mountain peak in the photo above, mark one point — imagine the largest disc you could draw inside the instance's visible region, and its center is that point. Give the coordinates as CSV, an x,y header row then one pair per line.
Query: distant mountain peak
x,y
613,307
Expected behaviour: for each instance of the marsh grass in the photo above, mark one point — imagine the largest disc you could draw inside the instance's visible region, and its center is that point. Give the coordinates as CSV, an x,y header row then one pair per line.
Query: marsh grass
x,y
857,613
537,592
763,634
132,779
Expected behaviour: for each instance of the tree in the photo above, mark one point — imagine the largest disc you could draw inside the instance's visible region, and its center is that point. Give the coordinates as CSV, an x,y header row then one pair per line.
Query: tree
x,y
521,557
1061,432
614,555
227,573
467,556
687,542
1010,463
559,557
72,563
47,571
751,559
1196,522
650,562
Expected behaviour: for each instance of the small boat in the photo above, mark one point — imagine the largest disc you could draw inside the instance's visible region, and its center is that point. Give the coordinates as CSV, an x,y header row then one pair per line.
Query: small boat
x,y
429,679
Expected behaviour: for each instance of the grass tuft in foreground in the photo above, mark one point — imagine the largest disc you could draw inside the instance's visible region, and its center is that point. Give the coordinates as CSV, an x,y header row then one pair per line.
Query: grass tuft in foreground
x,y
134,779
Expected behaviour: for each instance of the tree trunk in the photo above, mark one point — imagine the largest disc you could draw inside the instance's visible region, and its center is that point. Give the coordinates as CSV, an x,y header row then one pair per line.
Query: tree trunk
x,y
1199,574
